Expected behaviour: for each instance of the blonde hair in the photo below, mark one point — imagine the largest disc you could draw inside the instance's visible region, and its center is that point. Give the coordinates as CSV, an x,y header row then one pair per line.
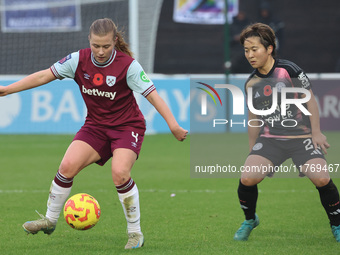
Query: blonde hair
x,y
103,27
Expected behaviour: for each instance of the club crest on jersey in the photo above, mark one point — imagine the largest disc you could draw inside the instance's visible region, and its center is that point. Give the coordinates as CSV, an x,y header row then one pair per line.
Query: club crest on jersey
x,y
110,80
63,60
280,85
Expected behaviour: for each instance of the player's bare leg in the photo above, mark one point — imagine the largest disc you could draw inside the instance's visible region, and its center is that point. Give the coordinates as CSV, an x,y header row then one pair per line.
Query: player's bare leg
x,y
78,155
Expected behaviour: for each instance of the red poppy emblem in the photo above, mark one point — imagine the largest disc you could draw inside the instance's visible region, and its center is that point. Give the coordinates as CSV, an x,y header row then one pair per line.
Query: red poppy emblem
x,y
267,91
98,79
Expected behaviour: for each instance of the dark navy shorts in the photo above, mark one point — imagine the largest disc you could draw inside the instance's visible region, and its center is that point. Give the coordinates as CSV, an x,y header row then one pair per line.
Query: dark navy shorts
x,y
105,140
300,150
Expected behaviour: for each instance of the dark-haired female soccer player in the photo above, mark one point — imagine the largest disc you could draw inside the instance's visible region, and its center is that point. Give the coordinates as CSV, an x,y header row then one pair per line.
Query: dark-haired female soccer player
x,y
295,135
107,75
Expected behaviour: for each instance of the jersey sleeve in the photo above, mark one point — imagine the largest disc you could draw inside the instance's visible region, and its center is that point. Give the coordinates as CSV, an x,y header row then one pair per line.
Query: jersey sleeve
x,y
138,81
299,77
66,67
303,80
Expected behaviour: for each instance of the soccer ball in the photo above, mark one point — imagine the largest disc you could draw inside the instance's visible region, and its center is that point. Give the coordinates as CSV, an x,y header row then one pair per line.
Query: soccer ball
x,y
81,211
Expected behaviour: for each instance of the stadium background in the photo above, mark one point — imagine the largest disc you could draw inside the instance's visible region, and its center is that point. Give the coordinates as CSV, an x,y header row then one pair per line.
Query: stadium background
x,y
312,36
180,214
170,52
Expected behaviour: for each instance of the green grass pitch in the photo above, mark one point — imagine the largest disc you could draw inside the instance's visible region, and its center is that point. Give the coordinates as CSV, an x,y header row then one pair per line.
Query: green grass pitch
x,y
201,218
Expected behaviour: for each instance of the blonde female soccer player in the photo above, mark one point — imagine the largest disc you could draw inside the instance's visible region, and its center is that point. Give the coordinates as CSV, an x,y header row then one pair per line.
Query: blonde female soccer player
x,y
114,127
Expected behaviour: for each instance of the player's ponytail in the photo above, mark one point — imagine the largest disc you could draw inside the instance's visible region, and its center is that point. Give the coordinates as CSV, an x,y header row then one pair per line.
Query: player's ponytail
x,y
103,27
121,45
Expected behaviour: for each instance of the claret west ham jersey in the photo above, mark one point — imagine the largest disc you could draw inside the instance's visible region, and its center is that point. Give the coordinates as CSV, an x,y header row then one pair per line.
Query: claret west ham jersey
x,y
283,74
107,89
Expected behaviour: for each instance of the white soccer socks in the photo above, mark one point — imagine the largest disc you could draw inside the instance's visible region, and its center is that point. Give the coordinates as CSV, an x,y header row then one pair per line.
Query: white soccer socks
x,y
129,197
59,192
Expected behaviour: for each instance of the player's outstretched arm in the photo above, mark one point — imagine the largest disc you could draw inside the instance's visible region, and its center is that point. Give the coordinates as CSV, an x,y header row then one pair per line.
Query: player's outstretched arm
x,y
164,110
29,82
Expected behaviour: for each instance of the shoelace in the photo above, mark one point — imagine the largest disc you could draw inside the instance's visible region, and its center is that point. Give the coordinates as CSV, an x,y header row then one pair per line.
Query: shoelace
x,y
243,228
131,240
41,216
245,224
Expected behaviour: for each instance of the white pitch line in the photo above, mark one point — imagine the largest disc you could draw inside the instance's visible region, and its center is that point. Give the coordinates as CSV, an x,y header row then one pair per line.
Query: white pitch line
x,y
22,191
170,191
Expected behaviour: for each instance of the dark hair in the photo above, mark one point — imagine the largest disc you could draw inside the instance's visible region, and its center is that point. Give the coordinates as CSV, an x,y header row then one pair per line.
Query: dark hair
x,y
263,31
103,27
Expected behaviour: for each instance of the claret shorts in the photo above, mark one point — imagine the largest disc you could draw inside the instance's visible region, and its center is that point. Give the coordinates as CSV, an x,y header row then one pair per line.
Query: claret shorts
x,y
105,140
